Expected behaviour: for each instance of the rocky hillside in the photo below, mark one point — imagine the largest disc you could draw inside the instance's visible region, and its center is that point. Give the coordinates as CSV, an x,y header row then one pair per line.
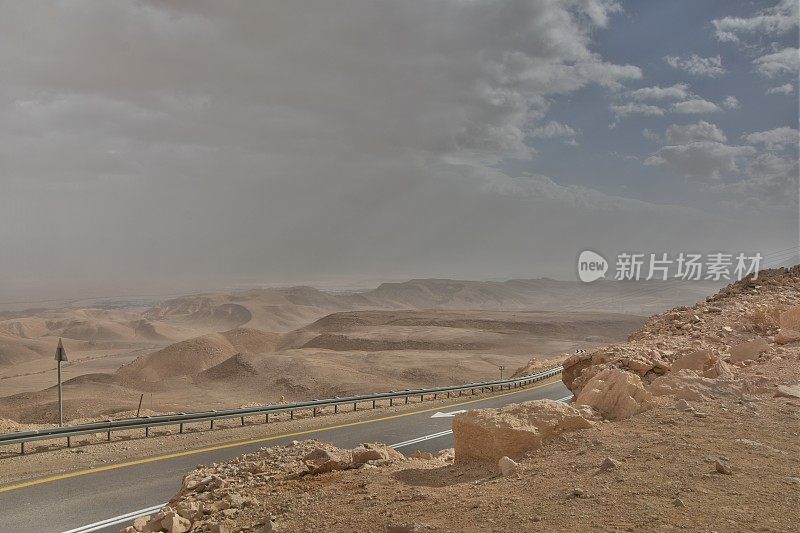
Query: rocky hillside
x,y
694,424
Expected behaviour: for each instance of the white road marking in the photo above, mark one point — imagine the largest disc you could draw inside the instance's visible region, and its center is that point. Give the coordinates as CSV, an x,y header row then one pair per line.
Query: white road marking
x,y
421,439
565,398
439,414
127,517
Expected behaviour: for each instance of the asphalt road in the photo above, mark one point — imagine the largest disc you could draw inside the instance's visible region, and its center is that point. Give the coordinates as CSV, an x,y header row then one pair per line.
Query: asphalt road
x,y
91,497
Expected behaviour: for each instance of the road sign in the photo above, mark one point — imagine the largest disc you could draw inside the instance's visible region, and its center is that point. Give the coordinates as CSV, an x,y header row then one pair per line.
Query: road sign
x,y
61,353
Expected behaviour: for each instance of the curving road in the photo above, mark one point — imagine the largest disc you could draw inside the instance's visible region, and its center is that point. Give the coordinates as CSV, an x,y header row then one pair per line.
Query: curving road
x,y
105,500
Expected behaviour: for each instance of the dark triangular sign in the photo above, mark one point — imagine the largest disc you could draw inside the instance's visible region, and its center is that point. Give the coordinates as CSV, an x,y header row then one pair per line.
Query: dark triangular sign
x,y
61,353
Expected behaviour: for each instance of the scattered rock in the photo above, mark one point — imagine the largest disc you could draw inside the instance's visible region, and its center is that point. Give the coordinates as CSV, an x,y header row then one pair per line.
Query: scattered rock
x,y
723,467
422,455
677,502
508,467
609,463
405,528
748,350
578,493
683,405
788,391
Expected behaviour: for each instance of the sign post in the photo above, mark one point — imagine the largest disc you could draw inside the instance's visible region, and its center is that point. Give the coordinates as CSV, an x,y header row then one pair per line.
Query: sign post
x,y
61,355
501,371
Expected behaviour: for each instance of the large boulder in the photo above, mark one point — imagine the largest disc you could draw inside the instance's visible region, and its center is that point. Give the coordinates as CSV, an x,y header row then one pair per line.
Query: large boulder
x,y
512,430
748,350
615,394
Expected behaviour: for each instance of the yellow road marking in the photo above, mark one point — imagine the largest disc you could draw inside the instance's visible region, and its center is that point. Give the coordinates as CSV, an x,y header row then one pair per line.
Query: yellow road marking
x,y
248,442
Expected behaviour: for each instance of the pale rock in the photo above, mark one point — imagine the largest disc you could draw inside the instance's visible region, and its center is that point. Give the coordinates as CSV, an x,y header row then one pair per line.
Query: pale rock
x,y
699,360
174,523
404,528
609,463
790,319
320,461
788,391
722,467
422,455
688,385
507,466
140,523
615,394
787,336
748,350
683,405
512,430
362,455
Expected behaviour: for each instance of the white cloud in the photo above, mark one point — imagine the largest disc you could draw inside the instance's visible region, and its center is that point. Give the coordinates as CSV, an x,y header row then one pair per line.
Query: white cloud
x,y
552,130
786,88
774,139
678,91
695,65
539,187
695,106
625,110
705,160
786,61
730,102
651,135
769,22
700,131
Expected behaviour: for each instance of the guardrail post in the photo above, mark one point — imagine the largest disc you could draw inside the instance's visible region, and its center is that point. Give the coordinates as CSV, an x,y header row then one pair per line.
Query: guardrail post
x,y
180,429
391,402
435,396
422,397
22,448
147,431
291,415
373,404
315,412
406,400
109,436
355,406
212,423
335,408
266,418
69,442
243,421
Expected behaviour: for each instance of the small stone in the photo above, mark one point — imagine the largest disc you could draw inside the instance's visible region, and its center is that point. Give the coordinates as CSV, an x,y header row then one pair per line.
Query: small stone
x,y
609,463
683,405
678,503
507,466
723,467
422,455
405,528
578,493
792,480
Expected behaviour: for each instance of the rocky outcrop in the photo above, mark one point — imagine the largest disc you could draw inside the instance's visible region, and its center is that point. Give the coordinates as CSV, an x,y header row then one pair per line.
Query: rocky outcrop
x,y
691,386
749,350
512,430
615,394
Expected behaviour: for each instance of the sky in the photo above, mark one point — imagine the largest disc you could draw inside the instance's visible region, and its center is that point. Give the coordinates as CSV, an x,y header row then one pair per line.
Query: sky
x,y
151,146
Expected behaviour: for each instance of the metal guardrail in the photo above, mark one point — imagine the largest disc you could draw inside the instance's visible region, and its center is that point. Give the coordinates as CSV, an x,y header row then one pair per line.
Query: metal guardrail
x,y
22,437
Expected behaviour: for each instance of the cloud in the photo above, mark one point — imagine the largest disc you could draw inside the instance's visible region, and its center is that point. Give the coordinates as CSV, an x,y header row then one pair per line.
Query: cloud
x,y
679,91
786,88
539,187
700,131
625,110
770,22
730,102
552,130
710,67
774,139
285,126
786,61
695,106
705,160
